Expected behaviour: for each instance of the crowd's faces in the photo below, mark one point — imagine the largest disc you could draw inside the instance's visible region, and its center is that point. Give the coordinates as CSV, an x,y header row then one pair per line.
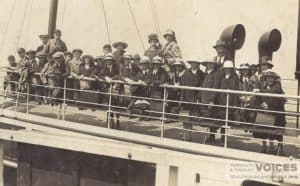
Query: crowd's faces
x,y
44,41
253,70
106,50
270,80
69,57
169,38
265,67
21,54
127,62
59,60
228,71
220,51
245,72
57,36
153,43
179,68
31,56
144,66
109,64
76,55
210,66
12,62
156,66
87,61
120,47
194,66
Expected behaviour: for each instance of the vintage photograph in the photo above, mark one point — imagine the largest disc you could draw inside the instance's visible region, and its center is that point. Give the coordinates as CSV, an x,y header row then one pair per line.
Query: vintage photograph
x,y
149,92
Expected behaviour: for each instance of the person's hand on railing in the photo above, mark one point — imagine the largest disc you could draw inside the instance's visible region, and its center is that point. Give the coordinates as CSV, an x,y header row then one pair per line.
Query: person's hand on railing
x,y
210,103
108,79
81,77
264,105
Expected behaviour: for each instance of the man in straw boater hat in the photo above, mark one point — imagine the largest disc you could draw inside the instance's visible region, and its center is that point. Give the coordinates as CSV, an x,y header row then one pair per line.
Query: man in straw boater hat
x,y
229,80
208,97
273,104
158,77
154,48
55,44
118,54
44,39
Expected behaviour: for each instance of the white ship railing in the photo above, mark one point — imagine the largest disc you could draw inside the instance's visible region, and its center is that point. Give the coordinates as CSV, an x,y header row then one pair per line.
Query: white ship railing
x,y
163,115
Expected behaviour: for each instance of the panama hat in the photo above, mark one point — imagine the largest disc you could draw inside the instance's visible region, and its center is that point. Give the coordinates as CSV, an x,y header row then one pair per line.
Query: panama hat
x,y
266,61
193,61
109,58
178,62
244,66
209,61
228,64
157,60
144,60
116,44
58,55
46,36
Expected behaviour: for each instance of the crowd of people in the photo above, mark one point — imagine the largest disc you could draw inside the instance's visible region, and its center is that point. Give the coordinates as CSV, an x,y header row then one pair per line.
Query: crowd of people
x,y
143,76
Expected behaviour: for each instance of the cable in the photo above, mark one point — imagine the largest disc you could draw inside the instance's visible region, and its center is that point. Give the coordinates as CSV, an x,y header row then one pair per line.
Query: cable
x,y
153,14
63,13
106,21
23,21
28,27
7,25
156,17
135,23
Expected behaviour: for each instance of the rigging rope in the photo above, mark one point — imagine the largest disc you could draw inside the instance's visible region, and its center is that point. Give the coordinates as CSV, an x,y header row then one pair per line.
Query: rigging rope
x,y
156,17
7,25
135,23
63,13
28,27
153,14
106,21
22,25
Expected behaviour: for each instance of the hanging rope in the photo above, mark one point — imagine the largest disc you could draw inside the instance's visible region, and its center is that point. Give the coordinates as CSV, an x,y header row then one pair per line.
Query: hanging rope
x,y
22,24
156,17
7,24
63,13
29,21
106,21
135,23
153,14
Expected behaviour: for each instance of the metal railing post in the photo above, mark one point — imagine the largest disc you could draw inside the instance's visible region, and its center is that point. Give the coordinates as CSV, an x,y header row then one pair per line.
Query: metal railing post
x,y
64,99
109,106
17,102
163,112
27,98
226,120
4,100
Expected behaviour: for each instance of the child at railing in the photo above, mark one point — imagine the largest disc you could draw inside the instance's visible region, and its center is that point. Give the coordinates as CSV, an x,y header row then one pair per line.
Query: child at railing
x,y
273,104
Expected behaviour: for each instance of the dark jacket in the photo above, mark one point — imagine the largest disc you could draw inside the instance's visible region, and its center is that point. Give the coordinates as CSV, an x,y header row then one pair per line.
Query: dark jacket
x,y
208,82
152,52
191,80
112,72
158,79
131,73
232,83
55,46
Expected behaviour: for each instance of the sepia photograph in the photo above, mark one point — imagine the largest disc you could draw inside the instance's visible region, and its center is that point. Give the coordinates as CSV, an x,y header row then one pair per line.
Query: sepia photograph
x,y
149,92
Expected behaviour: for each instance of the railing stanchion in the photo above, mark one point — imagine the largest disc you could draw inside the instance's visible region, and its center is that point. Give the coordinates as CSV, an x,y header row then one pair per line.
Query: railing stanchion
x,y
27,98
163,112
64,99
4,100
109,106
226,120
17,102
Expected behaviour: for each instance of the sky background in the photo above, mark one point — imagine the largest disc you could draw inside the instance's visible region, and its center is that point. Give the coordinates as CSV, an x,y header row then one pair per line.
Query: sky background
x,y
197,23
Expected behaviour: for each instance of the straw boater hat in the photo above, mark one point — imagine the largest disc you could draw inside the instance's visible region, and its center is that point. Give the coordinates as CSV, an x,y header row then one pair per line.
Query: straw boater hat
x,y
270,74
40,54
193,61
169,33
266,60
99,58
228,64
77,50
46,36
157,60
116,44
244,66
144,60
152,36
57,55
178,62
87,57
108,58
220,44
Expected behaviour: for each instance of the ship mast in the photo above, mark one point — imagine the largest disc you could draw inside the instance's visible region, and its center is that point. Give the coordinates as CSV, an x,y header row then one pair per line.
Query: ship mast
x,y
297,73
52,17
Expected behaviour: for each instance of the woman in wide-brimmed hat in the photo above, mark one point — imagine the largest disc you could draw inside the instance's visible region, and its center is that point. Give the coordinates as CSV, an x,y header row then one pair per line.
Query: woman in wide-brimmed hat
x,y
118,54
171,48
